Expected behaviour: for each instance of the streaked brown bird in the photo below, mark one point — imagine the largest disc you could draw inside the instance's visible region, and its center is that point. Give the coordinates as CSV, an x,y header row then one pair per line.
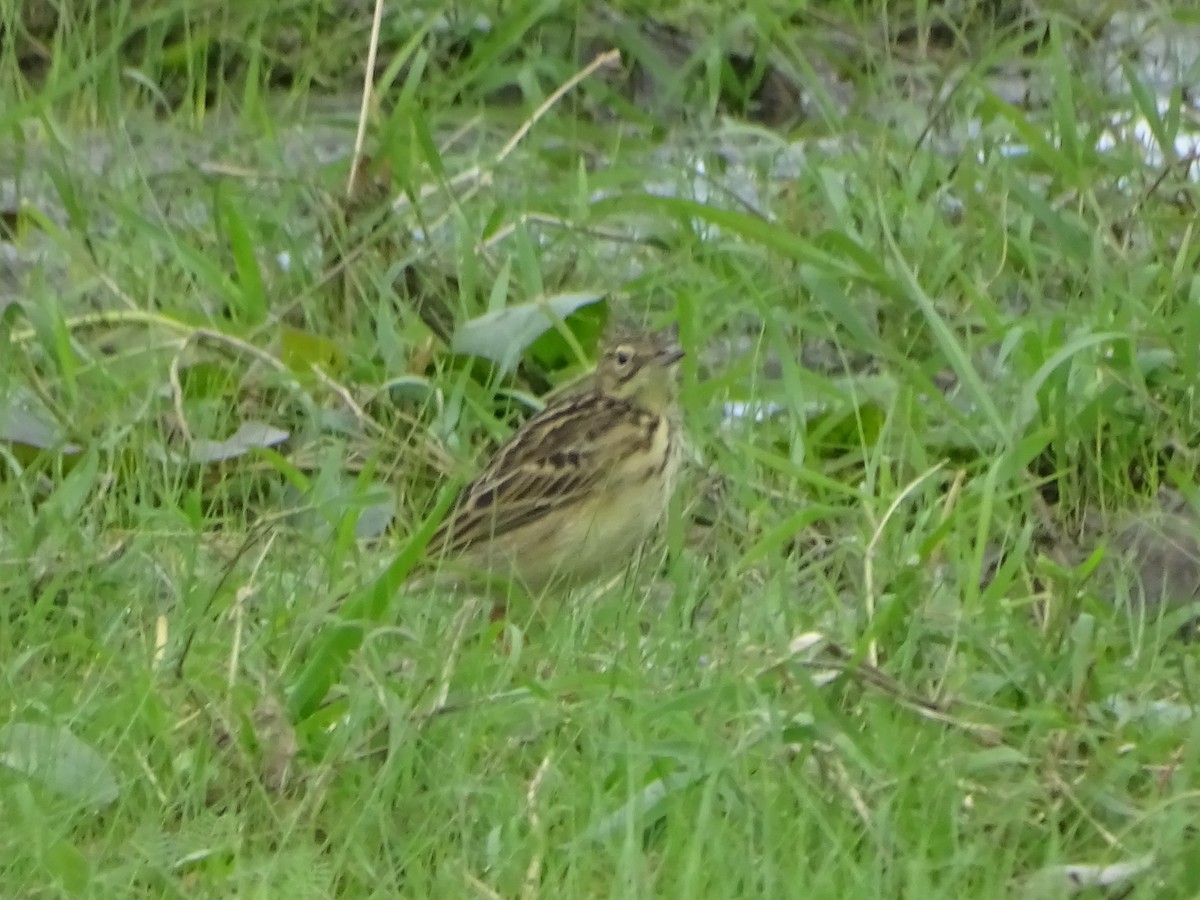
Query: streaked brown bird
x,y
580,487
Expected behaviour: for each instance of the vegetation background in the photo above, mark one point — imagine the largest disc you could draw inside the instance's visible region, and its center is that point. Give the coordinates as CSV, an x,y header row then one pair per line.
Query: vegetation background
x,y
273,274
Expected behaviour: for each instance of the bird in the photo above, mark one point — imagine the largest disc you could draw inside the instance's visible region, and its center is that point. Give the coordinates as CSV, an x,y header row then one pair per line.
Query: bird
x,y
581,486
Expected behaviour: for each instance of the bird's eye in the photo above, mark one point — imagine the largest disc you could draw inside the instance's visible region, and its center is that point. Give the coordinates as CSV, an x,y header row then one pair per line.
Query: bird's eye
x,y
623,357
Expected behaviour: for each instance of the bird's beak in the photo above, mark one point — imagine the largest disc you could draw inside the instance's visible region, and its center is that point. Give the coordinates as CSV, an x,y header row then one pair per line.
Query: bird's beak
x,y
670,355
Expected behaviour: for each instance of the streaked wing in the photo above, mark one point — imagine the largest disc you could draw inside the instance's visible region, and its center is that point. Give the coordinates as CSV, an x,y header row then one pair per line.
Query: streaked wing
x,y
553,461
576,424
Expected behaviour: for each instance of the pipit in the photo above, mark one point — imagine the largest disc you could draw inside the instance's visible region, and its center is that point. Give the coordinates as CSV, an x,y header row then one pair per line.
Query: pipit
x,y
580,487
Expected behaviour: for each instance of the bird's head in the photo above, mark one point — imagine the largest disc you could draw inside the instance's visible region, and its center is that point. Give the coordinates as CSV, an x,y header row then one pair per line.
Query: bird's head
x,y
641,367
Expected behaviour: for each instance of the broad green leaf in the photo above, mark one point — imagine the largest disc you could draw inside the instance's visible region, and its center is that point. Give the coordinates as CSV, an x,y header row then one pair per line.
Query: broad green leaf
x,y
62,762
504,335
20,426
634,812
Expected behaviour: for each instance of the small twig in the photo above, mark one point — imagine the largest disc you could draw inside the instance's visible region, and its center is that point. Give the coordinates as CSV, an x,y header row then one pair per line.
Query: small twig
x,y
533,873
239,617
481,176
465,615
1084,810
343,394
856,798
252,536
843,662
364,108
177,396
479,887
162,632
239,612
435,453
188,334
927,709
604,59
599,234
1184,162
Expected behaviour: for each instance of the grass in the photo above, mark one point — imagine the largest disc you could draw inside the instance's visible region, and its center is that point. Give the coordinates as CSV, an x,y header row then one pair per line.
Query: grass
x,y
188,710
